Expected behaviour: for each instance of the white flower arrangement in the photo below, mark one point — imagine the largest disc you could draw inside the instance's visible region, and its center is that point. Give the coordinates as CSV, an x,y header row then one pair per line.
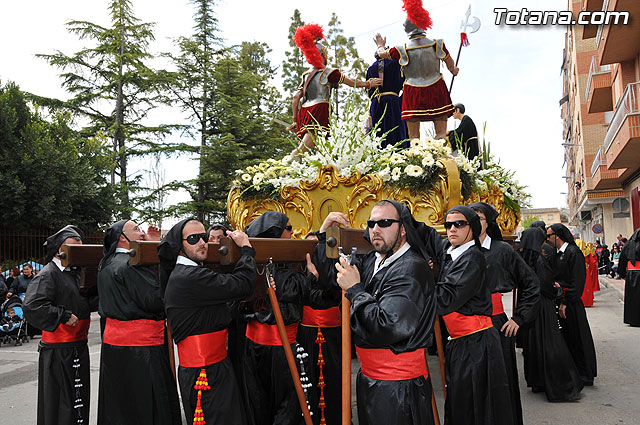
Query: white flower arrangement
x,y
350,149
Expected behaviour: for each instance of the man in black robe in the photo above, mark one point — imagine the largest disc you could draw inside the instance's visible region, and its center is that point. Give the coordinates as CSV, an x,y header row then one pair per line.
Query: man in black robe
x,y
320,334
466,134
629,269
392,315
506,270
477,386
570,273
271,394
134,360
548,365
196,303
54,304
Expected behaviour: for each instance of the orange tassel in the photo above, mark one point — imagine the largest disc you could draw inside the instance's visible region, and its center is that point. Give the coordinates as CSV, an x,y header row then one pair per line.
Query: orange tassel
x,y
202,384
321,384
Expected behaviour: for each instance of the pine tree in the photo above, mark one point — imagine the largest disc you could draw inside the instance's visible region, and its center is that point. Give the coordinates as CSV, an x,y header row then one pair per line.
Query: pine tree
x,y
229,98
344,56
113,88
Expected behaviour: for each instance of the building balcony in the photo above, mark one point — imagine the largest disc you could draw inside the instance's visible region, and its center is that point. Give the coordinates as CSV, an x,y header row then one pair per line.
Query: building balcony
x,y
601,176
590,31
619,42
598,93
622,142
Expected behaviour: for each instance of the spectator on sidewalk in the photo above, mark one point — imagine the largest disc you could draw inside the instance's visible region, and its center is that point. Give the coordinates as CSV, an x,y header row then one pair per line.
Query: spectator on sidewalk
x,y
615,259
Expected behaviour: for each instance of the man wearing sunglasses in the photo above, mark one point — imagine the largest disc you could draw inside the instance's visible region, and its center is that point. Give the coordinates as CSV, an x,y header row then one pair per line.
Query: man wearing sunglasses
x,y
392,313
197,306
134,361
477,386
570,273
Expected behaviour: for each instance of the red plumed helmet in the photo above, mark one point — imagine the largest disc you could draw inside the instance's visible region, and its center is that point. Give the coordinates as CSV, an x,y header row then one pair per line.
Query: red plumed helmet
x,y
305,38
417,14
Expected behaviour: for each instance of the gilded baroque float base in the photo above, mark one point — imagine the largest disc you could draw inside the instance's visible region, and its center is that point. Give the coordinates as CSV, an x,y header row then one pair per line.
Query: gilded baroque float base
x,y
308,205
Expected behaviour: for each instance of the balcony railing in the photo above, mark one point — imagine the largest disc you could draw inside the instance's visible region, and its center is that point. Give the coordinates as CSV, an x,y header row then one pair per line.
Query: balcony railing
x,y
594,69
599,160
627,105
605,5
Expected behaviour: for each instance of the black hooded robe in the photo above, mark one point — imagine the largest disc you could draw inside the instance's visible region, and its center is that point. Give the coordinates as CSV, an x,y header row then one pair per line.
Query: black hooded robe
x,y
322,306
51,298
548,365
629,269
505,271
570,273
271,395
63,365
392,311
477,384
197,303
138,369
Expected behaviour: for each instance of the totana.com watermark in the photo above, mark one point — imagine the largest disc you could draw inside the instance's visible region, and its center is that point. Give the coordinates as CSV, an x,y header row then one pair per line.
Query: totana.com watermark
x,y
554,17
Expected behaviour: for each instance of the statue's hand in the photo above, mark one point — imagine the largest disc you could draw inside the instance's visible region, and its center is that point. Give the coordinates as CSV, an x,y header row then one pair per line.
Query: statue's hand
x,y
375,82
380,41
455,70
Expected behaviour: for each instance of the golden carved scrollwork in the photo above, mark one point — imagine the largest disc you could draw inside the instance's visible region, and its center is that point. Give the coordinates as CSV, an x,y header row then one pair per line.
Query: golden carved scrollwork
x,y
308,205
507,219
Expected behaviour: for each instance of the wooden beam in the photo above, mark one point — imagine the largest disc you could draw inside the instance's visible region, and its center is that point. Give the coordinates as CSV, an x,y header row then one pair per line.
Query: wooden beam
x,y
348,239
80,255
278,250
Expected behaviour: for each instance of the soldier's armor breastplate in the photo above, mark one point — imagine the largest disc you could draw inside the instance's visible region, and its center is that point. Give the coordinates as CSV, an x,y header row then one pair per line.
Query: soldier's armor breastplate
x,y
319,89
420,60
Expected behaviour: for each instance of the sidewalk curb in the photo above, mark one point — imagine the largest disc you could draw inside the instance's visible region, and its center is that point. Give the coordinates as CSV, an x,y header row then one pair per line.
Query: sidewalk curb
x,y
611,283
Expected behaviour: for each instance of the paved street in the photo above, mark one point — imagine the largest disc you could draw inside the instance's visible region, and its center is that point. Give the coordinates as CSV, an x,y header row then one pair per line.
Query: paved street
x,y
613,400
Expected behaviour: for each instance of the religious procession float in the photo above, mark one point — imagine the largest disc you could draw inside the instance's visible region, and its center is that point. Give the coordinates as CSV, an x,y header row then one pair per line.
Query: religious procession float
x,y
344,165
349,172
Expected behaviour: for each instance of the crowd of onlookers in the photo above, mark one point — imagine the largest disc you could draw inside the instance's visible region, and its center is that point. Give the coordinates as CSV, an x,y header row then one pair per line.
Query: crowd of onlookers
x,y
608,258
16,282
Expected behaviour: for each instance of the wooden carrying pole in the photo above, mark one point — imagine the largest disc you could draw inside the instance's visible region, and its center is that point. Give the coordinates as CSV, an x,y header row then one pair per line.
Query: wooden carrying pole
x,y
346,360
438,336
287,348
349,240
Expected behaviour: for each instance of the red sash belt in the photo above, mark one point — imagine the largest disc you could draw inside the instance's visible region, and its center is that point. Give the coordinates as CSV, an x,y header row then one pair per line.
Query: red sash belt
x,y
382,364
264,334
328,318
460,325
203,350
632,266
66,333
496,301
134,333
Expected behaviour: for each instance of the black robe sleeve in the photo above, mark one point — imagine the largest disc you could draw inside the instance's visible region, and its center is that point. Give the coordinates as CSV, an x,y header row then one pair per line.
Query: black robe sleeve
x,y
573,273
38,305
52,297
129,292
326,266
528,290
395,308
460,282
208,286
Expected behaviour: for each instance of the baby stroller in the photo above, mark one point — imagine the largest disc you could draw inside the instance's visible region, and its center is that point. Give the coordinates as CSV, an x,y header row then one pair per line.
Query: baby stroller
x,y
13,326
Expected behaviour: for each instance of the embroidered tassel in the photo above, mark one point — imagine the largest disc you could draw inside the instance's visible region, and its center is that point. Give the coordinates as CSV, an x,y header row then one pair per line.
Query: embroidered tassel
x,y
202,384
78,403
321,384
464,40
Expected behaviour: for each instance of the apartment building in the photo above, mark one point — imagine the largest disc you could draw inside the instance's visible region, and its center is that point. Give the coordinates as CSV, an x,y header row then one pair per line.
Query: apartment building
x,y
600,108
